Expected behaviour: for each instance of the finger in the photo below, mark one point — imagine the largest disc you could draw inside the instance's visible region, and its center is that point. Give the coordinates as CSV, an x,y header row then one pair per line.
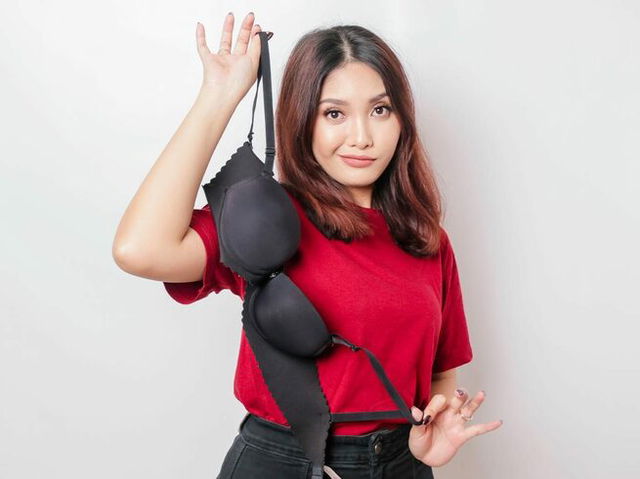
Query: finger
x,y
416,413
244,34
254,48
469,408
459,399
478,429
227,30
438,403
201,43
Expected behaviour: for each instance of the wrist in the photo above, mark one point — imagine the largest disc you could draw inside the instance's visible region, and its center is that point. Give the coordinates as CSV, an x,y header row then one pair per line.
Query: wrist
x,y
217,97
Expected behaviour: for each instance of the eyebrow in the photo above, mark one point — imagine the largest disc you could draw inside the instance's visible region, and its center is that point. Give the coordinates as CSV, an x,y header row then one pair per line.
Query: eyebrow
x,y
343,102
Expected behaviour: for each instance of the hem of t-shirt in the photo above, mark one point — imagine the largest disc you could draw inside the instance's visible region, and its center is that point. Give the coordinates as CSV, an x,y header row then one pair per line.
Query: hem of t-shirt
x,y
454,363
192,291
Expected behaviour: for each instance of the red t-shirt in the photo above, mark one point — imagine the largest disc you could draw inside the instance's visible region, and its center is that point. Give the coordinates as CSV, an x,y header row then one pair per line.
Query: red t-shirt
x,y
407,311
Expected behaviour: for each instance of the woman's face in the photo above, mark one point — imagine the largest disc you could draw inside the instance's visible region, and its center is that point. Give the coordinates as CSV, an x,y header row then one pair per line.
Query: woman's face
x,y
354,119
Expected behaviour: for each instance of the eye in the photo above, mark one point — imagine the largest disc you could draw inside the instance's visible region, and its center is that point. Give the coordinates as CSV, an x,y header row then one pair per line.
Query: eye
x,y
377,108
387,107
329,112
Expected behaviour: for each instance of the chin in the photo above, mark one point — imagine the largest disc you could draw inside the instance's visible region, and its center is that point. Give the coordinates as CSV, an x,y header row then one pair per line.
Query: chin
x,y
356,184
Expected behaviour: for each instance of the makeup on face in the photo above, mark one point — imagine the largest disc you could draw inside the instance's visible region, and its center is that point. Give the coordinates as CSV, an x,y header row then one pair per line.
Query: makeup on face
x,y
356,162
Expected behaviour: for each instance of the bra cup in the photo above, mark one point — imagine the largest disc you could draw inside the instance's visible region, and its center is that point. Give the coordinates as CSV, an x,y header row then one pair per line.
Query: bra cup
x,y
258,227
242,165
286,318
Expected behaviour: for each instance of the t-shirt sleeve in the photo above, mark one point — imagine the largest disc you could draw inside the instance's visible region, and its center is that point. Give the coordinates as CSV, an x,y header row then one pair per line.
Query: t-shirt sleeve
x,y
454,346
216,276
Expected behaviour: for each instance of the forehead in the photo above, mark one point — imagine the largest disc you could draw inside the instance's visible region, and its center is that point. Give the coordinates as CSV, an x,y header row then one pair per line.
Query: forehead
x,y
352,82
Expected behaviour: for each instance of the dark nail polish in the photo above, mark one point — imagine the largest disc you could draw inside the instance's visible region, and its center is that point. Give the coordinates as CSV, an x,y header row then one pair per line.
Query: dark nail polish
x,y
426,419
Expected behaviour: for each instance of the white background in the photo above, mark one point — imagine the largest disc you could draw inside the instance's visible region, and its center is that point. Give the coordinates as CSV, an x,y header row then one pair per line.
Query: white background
x,y
530,112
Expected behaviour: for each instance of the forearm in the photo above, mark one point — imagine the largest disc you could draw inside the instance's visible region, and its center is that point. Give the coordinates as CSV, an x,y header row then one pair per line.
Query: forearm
x,y
445,386
159,213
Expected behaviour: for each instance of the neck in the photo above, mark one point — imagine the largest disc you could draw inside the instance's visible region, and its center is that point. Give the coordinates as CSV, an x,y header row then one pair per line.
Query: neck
x,y
361,196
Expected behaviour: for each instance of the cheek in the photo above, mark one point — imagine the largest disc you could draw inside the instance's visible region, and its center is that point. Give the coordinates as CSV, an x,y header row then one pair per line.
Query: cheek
x,y
326,140
390,137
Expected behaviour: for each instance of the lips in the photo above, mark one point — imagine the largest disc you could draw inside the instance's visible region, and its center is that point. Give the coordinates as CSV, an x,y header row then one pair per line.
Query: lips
x,y
356,163
358,157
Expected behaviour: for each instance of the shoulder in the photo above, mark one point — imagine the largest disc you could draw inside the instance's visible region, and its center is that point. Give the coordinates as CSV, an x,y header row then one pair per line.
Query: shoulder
x,y
445,242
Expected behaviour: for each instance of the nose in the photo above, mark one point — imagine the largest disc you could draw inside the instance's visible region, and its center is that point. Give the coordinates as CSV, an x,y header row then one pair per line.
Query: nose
x,y
359,134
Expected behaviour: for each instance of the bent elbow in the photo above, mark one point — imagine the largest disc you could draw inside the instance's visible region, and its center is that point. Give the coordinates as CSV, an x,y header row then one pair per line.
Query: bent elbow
x,y
129,258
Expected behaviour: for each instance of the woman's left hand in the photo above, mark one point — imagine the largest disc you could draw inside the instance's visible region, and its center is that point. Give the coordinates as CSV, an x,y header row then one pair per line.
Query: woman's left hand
x,y
436,442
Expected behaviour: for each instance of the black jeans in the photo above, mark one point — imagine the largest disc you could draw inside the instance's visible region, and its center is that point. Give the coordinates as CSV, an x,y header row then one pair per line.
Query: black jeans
x,y
264,449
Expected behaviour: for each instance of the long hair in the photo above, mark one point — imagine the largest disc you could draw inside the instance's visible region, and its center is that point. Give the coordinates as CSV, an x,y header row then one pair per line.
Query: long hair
x,y
406,192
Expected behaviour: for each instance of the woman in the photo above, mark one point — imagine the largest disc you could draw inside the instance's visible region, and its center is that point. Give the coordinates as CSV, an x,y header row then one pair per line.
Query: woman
x,y
373,258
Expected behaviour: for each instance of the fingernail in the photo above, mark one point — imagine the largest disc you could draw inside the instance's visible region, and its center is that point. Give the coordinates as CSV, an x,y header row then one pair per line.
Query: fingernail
x,y
230,13
416,413
426,419
459,392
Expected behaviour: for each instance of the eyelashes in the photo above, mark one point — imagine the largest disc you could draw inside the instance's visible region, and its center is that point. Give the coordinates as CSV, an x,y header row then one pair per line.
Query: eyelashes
x,y
332,110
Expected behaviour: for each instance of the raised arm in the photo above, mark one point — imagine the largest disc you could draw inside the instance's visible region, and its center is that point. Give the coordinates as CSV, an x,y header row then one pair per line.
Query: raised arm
x,y
153,238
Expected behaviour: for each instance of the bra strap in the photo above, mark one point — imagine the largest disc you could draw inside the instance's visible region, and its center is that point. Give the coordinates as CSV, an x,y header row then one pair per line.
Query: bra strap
x,y
264,70
403,410
367,416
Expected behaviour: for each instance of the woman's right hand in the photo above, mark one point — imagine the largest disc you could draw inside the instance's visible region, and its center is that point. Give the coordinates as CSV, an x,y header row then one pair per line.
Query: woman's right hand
x,y
235,71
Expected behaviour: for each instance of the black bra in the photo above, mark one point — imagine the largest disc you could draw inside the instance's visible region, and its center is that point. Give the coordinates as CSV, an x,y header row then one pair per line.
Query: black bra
x,y
258,231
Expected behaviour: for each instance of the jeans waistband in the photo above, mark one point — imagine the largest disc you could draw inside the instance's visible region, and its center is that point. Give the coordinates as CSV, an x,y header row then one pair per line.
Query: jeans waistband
x,y
378,446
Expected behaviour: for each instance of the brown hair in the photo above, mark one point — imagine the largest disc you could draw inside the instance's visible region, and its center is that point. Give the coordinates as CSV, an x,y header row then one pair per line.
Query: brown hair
x,y
406,192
